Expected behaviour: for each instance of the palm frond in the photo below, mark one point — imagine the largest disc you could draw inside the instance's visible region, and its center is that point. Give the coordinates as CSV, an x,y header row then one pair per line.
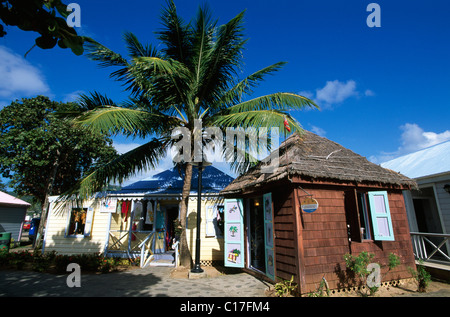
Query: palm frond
x,y
126,121
255,119
95,100
136,48
224,60
128,164
276,101
245,87
105,56
202,44
175,34
165,80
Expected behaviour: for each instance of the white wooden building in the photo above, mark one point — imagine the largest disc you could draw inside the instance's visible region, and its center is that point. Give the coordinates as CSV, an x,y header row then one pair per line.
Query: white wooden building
x,y
428,207
138,220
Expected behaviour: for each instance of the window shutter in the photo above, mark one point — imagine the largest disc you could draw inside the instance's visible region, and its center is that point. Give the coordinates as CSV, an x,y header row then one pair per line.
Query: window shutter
x,y
381,216
234,233
88,224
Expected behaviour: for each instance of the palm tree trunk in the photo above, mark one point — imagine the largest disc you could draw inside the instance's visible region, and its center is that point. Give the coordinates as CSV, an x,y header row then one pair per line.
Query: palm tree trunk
x,y
185,254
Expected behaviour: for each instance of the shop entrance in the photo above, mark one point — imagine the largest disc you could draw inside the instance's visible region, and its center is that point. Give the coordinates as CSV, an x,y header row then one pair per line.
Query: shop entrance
x,y
256,247
172,215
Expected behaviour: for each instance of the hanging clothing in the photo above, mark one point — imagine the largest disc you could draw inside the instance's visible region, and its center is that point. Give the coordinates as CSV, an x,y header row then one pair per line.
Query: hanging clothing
x,y
138,214
150,215
126,205
160,242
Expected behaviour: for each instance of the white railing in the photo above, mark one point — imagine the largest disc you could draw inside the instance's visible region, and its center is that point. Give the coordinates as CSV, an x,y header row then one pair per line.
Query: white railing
x,y
132,244
428,245
147,249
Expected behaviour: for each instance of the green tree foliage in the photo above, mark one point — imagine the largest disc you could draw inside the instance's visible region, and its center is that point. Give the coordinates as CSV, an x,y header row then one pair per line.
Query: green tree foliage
x,y
34,141
41,16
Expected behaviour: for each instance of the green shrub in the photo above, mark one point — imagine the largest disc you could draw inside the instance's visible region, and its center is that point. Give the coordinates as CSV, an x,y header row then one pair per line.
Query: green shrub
x,y
422,276
52,262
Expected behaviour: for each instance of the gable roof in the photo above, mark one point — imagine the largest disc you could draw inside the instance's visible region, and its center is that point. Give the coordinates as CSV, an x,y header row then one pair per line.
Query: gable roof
x,y
171,182
316,158
426,162
6,199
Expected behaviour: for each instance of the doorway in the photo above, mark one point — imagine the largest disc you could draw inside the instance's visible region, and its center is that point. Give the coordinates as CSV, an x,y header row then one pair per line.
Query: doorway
x,y
171,216
427,217
256,246
426,210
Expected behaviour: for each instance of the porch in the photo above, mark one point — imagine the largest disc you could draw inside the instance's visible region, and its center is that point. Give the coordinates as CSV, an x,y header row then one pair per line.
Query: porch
x,y
432,251
148,247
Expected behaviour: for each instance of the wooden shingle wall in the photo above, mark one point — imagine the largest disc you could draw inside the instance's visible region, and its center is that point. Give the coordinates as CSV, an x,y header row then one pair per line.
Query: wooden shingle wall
x,y
316,250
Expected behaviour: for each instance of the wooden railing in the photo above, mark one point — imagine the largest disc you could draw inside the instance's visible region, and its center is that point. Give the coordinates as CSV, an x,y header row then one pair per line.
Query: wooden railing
x,y
147,249
140,244
120,241
431,246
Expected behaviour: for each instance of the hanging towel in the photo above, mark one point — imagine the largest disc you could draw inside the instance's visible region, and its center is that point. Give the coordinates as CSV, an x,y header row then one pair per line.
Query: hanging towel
x,y
119,207
138,214
137,210
159,243
125,209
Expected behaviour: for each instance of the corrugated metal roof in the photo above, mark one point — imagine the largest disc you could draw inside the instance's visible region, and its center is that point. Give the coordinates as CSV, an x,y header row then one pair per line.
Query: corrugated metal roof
x,y
11,200
430,161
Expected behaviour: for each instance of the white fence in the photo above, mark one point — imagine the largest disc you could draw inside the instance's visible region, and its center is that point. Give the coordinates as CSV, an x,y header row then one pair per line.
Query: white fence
x,y
431,246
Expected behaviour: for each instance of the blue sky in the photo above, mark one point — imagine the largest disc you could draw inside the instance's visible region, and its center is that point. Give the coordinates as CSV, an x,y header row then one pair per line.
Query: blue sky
x,y
383,91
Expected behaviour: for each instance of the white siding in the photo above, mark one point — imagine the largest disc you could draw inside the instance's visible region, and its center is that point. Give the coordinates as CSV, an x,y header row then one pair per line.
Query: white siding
x,y
211,248
11,219
55,239
444,204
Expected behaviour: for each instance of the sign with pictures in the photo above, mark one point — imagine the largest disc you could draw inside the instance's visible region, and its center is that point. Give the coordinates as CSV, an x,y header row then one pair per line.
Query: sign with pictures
x,y
108,205
234,233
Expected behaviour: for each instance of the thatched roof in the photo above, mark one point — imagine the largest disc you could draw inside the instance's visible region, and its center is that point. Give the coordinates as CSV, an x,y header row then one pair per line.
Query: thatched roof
x,y
312,157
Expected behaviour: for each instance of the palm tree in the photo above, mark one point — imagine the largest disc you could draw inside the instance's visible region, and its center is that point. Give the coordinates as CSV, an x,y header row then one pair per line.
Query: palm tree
x,y
192,77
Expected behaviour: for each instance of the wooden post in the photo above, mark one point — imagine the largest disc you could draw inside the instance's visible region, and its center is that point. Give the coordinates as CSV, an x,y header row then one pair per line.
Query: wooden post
x,y
299,239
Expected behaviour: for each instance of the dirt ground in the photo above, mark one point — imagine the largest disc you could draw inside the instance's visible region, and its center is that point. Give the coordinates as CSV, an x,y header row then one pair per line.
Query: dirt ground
x,y
404,288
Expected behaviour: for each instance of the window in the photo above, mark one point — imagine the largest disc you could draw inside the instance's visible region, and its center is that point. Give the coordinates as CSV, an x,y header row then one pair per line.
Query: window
x,y
364,220
214,221
80,222
368,216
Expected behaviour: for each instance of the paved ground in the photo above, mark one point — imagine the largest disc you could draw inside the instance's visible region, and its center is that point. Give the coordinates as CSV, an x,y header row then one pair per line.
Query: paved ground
x,y
148,282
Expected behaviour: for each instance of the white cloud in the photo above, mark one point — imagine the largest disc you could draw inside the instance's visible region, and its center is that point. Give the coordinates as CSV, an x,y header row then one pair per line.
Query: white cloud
x,y
73,96
319,131
369,93
19,78
335,92
413,138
